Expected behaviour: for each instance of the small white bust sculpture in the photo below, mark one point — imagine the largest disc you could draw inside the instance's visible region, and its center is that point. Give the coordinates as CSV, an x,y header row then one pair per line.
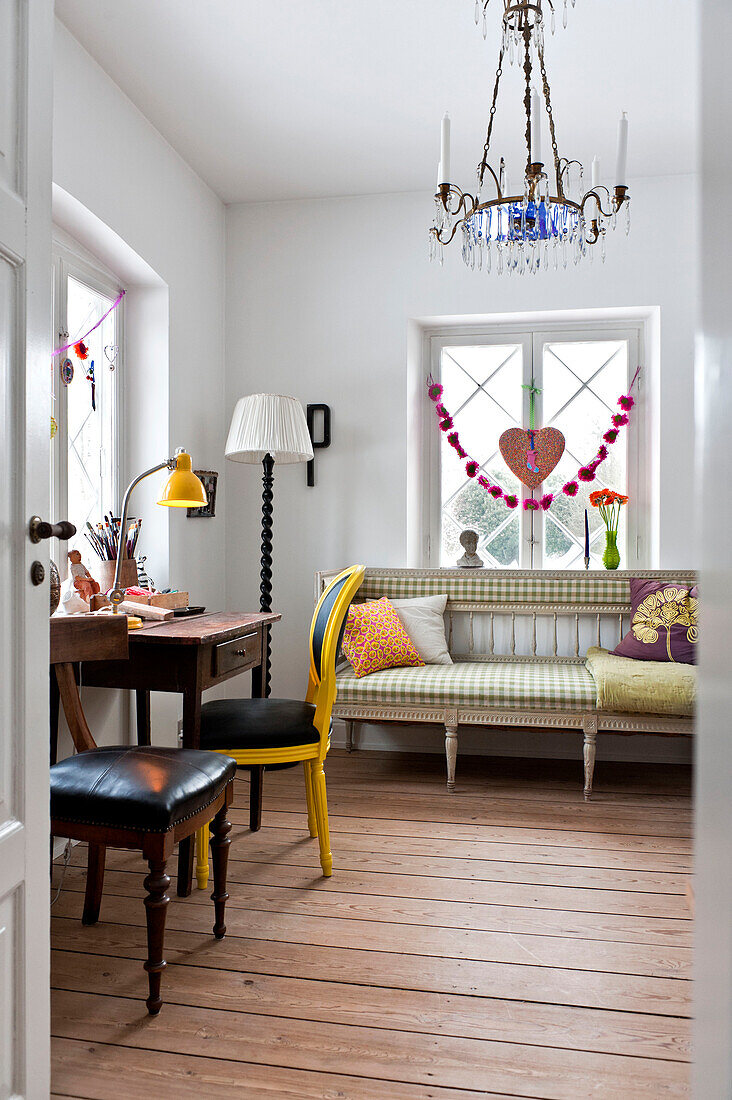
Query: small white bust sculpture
x,y
469,543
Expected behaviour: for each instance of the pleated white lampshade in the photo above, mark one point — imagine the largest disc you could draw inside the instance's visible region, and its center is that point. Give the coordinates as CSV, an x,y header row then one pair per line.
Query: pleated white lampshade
x,y
267,423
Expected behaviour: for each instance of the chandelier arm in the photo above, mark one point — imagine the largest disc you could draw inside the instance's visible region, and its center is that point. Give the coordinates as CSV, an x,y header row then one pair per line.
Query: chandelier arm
x,y
552,131
597,198
484,163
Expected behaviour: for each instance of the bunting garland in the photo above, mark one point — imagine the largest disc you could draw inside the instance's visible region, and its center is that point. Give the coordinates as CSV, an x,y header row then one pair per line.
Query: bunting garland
x,y
586,473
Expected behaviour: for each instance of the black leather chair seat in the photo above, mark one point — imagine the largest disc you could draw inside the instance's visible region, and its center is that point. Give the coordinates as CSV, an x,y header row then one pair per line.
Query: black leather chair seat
x,y
257,724
142,787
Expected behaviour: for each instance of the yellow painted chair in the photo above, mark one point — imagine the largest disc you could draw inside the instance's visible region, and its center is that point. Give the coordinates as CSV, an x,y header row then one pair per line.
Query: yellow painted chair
x,y
258,732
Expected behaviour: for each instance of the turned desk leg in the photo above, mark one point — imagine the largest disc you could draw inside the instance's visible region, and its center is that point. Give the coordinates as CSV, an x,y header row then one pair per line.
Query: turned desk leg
x,y
191,740
349,736
142,700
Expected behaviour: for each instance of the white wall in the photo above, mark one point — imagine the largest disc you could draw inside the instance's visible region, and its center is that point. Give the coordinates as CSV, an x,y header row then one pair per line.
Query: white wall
x,y
109,158
713,830
319,299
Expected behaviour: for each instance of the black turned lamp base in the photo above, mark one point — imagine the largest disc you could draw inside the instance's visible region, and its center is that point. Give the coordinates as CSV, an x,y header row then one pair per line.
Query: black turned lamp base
x,y
265,573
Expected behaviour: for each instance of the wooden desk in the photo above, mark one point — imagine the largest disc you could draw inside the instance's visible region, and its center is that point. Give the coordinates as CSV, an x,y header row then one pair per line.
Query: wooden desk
x,y
185,656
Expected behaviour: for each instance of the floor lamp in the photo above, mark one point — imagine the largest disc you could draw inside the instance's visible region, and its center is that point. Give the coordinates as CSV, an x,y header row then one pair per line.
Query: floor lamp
x,y
270,429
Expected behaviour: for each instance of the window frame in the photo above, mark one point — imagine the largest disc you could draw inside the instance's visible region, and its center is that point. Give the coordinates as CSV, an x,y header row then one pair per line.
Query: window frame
x,y
533,336
67,263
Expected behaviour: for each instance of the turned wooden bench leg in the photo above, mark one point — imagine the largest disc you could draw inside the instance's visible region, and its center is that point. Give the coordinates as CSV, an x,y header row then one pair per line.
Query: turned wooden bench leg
x,y
589,752
349,736
451,746
94,883
156,904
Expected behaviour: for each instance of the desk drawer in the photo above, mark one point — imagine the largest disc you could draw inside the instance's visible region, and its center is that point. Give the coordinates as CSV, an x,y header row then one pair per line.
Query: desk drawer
x,y
238,653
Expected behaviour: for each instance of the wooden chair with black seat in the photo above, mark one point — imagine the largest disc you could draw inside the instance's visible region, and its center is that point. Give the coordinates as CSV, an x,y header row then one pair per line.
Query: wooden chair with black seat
x,y
137,797
262,732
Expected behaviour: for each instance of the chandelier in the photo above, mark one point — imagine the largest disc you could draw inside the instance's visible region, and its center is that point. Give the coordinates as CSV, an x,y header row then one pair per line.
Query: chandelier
x,y
545,222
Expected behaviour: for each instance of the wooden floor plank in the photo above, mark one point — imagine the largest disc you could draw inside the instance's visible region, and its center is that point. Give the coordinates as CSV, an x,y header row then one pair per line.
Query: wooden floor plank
x,y
376,883
495,831
326,899
386,969
554,866
528,1023
507,941
98,1070
556,951
375,1053
486,812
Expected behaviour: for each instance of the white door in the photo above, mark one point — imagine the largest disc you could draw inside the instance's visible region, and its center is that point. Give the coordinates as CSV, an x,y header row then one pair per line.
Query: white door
x,y
26,93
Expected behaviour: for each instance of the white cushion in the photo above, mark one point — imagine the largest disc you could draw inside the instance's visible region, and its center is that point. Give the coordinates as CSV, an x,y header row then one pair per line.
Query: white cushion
x,y
423,620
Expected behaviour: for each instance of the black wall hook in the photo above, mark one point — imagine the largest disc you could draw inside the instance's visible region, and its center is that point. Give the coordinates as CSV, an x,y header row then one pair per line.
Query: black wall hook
x,y
318,444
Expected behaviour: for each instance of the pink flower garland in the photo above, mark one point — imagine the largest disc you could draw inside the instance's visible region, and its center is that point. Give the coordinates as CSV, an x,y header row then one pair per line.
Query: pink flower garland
x,y
585,473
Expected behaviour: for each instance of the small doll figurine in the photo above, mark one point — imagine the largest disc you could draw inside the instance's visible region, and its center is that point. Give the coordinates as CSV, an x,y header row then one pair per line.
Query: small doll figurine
x,y
82,579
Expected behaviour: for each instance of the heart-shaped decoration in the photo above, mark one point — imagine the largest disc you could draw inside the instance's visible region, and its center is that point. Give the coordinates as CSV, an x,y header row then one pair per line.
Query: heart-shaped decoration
x,y
531,454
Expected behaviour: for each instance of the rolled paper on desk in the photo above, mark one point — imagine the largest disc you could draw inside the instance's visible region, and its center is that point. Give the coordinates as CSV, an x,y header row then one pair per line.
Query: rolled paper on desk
x,y
143,611
587,536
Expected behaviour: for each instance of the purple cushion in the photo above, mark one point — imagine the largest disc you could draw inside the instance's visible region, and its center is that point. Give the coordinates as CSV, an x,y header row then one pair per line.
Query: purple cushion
x,y
663,622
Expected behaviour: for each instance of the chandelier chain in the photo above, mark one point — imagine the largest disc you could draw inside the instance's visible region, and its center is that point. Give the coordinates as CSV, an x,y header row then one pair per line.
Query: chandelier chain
x,y
486,148
527,93
552,131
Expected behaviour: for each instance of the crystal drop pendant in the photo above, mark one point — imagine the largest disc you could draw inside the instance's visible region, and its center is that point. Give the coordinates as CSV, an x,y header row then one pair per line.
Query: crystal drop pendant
x,y
485,24
564,15
488,258
553,21
627,217
477,11
602,246
511,51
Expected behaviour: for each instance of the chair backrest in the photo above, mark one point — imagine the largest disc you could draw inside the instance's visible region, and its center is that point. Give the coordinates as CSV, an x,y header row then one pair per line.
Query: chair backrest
x,y
326,631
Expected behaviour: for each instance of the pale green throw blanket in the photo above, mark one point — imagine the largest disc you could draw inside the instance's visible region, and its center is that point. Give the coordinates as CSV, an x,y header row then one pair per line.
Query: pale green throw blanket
x,y
641,687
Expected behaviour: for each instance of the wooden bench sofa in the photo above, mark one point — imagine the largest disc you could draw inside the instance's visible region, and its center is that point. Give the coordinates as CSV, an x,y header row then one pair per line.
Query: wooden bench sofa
x,y
518,639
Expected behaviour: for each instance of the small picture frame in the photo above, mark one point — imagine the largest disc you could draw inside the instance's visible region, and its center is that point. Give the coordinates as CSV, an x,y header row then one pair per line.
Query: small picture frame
x,y
209,479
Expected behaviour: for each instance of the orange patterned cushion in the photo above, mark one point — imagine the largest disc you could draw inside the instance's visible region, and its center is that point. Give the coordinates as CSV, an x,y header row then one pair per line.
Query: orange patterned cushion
x,y
374,638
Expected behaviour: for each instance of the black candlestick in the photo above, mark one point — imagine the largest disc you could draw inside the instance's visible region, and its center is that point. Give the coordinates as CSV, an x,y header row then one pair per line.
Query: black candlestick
x,y
265,574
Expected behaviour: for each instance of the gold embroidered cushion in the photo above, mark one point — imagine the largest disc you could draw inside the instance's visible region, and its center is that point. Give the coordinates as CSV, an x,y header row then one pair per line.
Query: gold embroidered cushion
x,y
374,638
664,623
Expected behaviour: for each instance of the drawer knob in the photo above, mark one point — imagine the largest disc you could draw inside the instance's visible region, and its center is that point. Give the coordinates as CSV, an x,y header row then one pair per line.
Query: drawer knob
x,y
238,652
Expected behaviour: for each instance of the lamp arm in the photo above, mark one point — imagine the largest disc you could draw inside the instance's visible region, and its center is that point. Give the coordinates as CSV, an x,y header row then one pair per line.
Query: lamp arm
x,y
117,594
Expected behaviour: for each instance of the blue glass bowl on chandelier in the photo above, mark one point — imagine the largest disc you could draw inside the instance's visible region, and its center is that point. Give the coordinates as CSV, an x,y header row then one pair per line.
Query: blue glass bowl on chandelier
x,y
523,234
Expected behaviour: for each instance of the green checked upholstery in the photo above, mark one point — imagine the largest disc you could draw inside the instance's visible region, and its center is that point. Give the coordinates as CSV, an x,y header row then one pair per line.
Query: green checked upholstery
x,y
501,685
489,586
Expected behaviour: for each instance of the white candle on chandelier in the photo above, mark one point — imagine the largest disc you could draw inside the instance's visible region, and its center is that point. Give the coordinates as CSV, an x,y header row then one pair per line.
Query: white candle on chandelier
x,y
621,167
445,149
439,175
535,127
595,173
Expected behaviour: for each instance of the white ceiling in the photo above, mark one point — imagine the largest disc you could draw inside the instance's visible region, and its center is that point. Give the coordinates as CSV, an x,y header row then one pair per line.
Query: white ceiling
x,y
278,99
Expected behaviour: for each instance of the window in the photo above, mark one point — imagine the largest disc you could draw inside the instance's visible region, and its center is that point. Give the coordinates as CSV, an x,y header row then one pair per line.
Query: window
x,y
85,454
580,372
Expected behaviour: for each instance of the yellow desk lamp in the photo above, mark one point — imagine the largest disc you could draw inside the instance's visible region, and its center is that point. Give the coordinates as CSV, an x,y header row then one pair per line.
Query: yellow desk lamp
x,y
182,490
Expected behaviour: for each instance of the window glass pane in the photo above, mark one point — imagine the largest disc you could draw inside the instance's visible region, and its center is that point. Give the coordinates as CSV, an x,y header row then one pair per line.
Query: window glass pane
x,y
484,415
582,412
91,431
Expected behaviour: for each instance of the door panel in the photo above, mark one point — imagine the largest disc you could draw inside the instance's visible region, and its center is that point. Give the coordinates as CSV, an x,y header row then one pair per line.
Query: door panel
x,y
26,61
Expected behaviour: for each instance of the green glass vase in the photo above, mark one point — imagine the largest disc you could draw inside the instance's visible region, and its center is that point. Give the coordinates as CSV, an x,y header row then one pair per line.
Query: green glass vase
x,y
611,556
